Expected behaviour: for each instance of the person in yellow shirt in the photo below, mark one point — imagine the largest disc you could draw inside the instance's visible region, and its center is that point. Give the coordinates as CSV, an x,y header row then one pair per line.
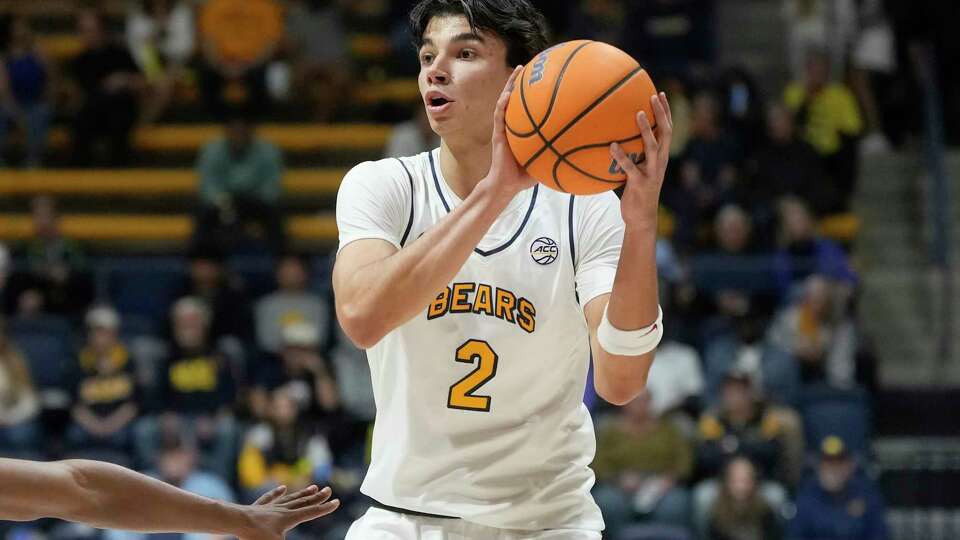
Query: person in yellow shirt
x,y
829,118
238,38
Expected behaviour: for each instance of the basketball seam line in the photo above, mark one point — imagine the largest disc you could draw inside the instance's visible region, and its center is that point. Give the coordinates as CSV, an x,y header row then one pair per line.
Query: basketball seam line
x,y
553,98
586,111
583,113
562,158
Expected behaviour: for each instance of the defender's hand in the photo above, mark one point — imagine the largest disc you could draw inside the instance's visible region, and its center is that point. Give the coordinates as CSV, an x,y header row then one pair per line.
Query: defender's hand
x,y
276,512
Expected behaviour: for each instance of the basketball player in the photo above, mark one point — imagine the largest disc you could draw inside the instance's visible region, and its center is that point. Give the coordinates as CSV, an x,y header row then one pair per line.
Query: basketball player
x,y
112,497
479,296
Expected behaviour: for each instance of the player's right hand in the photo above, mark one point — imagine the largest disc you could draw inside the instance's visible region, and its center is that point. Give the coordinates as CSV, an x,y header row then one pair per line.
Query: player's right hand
x,y
506,175
276,512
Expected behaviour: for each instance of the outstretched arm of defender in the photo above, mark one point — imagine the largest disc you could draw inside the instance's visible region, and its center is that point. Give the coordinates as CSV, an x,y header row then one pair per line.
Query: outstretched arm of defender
x,y
109,496
379,287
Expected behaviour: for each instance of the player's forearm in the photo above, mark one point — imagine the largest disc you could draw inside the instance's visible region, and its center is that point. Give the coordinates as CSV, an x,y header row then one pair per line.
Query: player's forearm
x,y
113,497
633,305
387,293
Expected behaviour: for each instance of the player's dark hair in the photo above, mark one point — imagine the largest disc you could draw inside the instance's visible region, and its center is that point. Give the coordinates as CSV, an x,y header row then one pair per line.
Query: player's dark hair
x,y
520,25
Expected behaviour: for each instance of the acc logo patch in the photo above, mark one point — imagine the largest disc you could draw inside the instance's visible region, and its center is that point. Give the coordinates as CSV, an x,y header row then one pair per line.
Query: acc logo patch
x,y
544,250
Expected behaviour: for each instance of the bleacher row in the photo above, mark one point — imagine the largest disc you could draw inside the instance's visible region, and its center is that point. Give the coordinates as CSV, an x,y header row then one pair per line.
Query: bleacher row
x,y
309,191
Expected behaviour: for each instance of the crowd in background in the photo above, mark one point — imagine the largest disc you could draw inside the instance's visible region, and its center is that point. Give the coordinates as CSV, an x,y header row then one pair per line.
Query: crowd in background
x,y
229,391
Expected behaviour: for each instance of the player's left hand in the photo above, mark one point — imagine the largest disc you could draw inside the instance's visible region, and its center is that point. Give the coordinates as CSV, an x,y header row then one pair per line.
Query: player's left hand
x,y
641,196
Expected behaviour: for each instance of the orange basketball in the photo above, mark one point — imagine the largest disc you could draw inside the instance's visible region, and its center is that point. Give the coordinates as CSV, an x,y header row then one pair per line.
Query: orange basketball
x,y
571,102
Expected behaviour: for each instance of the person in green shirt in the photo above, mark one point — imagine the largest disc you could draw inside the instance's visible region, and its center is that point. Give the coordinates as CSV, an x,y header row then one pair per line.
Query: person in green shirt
x,y
57,281
641,463
240,185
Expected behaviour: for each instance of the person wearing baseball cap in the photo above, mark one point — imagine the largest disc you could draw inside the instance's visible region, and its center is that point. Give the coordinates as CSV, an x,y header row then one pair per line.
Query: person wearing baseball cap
x,y
838,503
106,400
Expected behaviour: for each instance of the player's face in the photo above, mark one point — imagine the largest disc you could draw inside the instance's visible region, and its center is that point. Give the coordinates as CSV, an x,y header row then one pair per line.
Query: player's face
x,y
461,76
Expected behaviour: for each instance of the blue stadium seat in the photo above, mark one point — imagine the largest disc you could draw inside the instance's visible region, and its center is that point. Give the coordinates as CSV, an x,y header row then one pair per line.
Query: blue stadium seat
x,y
47,344
145,289
655,532
753,274
841,412
257,273
321,279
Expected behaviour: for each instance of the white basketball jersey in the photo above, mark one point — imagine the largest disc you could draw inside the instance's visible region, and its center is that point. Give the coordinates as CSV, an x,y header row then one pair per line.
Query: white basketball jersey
x,y
479,397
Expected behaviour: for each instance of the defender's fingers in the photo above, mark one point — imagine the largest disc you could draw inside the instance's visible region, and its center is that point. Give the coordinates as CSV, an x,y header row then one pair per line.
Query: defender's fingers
x,y
313,512
305,492
271,495
310,500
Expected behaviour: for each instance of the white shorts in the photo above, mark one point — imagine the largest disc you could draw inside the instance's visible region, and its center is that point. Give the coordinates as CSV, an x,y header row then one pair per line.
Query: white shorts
x,y
380,524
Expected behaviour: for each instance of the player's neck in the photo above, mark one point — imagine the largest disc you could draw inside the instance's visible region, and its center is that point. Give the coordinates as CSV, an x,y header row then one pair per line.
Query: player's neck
x,y
464,164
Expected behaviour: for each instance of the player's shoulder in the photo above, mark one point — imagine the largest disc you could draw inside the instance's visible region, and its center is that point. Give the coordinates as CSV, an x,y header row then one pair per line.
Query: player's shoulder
x,y
400,171
591,205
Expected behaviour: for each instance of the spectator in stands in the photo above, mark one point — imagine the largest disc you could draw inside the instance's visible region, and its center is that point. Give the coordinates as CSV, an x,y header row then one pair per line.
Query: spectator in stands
x,y
737,272
785,165
283,450
803,252
238,38
707,172
875,78
819,25
160,36
177,466
108,86
740,512
25,95
817,331
600,20
240,184
197,393
58,281
19,401
675,382
106,398
828,118
673,37
840,502
412,137
318,46
223,294
641,464
743,425
290,304
352,371
303,372
741,106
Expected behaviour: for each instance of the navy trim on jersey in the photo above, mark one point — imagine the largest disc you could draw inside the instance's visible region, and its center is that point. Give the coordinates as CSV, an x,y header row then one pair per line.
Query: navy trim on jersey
x,y
573,249
412,200
478,251
397,510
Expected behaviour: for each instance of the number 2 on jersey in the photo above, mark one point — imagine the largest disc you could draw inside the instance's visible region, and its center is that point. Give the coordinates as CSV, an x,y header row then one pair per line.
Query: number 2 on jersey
x,y
462,394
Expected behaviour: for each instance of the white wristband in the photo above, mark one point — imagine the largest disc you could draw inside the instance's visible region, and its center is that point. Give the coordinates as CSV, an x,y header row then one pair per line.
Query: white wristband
x,y
630,342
